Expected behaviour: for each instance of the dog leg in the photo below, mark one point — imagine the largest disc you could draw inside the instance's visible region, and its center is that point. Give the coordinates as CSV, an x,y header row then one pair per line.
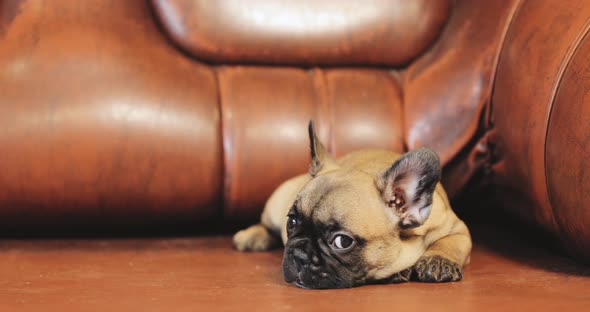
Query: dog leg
x,y
443,261
255,238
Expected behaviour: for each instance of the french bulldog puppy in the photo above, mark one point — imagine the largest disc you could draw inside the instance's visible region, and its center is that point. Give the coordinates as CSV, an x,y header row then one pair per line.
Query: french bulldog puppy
x,y
372,216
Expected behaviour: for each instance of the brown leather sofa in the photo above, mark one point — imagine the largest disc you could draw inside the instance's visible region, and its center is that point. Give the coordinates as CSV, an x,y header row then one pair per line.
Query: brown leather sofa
x,y
178,113
132,113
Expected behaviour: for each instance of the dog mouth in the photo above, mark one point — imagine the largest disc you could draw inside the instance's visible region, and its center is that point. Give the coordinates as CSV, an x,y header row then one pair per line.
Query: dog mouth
x,y
301,271
299,283
314,284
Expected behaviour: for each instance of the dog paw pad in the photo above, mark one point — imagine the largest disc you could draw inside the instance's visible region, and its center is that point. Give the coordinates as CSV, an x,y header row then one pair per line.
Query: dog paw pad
x,y
436,269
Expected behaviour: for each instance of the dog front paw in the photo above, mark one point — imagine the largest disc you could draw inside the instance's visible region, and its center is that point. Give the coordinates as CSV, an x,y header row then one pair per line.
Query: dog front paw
x,y
401,277
255,238
436,269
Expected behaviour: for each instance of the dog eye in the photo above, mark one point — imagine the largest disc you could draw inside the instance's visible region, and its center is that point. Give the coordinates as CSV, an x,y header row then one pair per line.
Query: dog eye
x,y
342,241
292,221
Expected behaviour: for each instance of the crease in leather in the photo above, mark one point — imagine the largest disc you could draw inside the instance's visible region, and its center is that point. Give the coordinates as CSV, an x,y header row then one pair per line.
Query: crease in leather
x,y
563,67
572,232
438,60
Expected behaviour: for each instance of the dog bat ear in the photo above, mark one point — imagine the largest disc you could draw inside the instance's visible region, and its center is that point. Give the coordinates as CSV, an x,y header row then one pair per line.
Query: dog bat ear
x,y
408,185
320,158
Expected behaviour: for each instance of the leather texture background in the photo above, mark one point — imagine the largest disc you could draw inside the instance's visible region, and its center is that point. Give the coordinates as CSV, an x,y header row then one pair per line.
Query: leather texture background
x,y
175,113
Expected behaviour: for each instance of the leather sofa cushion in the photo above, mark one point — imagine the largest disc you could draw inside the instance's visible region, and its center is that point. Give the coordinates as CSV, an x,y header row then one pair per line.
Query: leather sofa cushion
x,y
264,117
99,126
328,32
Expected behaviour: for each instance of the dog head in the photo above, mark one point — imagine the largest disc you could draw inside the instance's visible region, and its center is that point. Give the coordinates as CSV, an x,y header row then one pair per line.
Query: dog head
x,y
351,226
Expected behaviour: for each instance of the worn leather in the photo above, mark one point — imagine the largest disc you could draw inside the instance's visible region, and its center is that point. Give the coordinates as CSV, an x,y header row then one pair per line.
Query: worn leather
x,y
540,131
310,32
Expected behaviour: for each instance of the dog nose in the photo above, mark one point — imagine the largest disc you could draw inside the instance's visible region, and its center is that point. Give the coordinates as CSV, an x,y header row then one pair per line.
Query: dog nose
x,y
301,258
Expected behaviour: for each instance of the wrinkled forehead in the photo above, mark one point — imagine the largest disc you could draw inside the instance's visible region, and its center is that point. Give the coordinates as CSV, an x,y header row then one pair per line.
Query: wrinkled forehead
x,y
349,199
